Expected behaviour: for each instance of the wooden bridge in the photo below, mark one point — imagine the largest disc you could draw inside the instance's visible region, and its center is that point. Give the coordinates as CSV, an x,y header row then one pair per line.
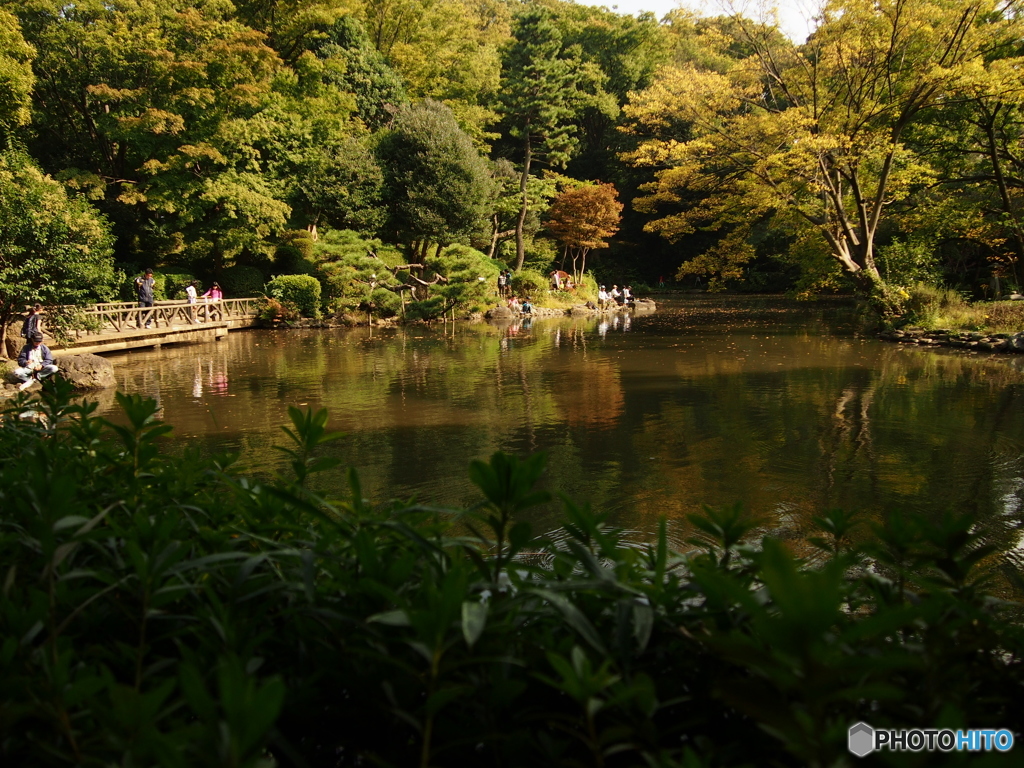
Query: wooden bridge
x,y
114,326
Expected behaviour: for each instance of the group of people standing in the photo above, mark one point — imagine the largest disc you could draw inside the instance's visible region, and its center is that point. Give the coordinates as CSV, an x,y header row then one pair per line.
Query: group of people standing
x,y
621,298
505,283
144,291
512,301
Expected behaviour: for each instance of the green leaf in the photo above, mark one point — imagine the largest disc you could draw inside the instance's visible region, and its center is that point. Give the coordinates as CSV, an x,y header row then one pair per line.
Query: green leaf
x,y
474,619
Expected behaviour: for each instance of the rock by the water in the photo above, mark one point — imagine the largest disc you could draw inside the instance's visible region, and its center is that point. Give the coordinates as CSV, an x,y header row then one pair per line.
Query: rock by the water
x,y
87,371
499,313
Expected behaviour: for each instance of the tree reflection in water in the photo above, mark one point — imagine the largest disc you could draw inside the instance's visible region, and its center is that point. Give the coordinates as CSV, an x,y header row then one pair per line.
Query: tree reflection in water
x,y
711,400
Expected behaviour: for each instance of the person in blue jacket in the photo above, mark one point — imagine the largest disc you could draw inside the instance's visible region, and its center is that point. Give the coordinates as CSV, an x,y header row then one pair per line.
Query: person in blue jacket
x,y
35,361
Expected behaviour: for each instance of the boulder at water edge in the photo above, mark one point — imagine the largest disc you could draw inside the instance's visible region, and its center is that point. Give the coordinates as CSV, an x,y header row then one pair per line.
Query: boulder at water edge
x,y
87,371
499,313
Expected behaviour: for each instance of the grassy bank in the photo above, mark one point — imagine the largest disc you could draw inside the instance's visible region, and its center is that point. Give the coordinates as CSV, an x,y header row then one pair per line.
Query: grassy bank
x,y
164,610
934,308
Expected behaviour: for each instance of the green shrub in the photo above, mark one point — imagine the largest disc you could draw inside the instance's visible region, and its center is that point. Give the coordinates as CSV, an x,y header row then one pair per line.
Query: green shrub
x,y
294,254
352,267
906,262
426,309
472,278
175,284
528,282
160,609
242,282
301,290
272,312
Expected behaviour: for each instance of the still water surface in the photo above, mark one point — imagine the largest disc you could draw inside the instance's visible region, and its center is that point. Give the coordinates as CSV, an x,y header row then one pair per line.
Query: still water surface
x,y
707,401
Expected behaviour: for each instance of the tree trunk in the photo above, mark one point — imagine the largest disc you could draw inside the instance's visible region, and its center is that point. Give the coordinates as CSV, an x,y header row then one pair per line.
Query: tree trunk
x,y
1004,192
525,206
494,237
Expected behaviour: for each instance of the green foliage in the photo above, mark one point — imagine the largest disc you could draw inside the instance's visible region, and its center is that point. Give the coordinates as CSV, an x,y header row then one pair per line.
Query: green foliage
x,y
155,110
54,248
364,72
906,262
175,283
528,282
242,281
301,290
294,254
437,184
356,273
16,77
471,278
164,610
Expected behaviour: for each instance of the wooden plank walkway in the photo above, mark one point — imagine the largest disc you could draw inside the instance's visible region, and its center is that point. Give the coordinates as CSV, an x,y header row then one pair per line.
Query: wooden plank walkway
x,y
116,326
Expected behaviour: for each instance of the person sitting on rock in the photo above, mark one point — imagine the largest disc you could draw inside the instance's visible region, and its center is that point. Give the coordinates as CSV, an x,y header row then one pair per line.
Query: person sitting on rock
x,y
35,362
527,307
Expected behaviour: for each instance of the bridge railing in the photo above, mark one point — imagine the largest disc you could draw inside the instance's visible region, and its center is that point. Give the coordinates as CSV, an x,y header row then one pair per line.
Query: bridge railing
x,y
122,316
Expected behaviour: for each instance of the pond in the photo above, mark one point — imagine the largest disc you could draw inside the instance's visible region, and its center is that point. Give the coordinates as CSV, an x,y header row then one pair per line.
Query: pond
x,y
710,400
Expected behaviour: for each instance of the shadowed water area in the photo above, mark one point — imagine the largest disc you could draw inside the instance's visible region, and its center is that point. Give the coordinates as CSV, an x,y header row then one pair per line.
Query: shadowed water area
x,y
773,403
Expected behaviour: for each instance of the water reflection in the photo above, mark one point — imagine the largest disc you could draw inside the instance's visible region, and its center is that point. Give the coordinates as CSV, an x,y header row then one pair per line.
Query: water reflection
x,y
709,401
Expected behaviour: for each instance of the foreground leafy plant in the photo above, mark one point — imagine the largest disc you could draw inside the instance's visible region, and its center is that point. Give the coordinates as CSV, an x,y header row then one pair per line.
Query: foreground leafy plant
x,y
160,609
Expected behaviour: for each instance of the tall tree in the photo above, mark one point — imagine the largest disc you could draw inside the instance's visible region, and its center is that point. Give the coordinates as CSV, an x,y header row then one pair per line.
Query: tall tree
x,y
54,248
582,219
152,108
16,78
814,134
436,182
541,84
352,63
446,50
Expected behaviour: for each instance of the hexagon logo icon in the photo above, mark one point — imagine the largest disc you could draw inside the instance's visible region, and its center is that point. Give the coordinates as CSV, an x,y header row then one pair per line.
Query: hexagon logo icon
x,y
860,739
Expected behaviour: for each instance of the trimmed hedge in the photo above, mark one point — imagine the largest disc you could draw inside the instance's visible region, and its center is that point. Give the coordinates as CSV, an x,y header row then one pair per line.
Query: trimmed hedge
x,y
301,290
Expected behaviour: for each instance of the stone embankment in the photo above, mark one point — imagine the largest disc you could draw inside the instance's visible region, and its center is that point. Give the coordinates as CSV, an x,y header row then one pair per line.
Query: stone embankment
x,y
971,340
580,310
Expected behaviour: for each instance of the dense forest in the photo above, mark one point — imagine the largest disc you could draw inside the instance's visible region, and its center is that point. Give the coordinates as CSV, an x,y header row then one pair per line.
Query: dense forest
x,y
387,147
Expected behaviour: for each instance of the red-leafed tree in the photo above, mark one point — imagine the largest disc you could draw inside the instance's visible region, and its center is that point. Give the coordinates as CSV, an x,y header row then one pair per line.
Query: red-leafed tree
x,y
583,218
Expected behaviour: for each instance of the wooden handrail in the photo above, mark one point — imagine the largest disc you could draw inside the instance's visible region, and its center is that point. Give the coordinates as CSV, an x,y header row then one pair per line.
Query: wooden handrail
x,y
121,317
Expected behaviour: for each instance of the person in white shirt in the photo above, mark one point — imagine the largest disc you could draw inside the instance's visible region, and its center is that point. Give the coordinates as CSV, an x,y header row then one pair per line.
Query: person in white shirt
x,y
193,297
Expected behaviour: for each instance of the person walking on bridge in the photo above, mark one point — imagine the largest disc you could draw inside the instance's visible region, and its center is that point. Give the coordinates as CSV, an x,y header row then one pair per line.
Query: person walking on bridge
x,y
144,290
